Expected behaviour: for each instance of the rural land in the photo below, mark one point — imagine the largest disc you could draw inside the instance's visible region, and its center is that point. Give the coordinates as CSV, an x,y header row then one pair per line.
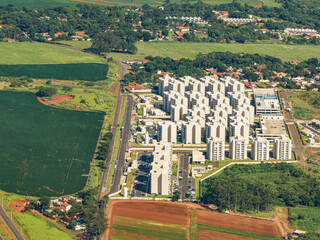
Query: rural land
x,y
161,119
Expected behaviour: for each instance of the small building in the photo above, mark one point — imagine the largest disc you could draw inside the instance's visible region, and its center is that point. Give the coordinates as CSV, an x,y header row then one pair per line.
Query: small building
x,y
198,157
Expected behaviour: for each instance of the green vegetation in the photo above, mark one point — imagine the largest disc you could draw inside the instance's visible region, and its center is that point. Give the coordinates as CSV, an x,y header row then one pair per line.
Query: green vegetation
x,y
254,188
193,224
55,3
44,150
191,50
147,229
38,228
303,113
307,219
79,71
5,231
174,168
38,53
237,232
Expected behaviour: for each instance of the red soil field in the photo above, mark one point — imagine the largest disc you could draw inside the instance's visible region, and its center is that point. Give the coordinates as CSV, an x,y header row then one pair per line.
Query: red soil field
x,y
166,212
239,223
18,205
204,234
56,99
104,4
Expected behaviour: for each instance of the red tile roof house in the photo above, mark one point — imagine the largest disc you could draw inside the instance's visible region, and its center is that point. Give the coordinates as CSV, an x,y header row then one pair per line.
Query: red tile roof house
x,y
134,86
183,29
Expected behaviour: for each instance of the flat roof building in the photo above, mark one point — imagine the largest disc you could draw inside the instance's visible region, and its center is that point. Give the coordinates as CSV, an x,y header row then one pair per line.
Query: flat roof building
x,y
266,101
216,149
238,148
260,149
282,148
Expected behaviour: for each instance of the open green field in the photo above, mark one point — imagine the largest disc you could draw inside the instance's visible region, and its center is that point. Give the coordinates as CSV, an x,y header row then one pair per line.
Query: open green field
x,y
75,71
38,228
191,50
305,104
44,150
39,53
130,228
54,3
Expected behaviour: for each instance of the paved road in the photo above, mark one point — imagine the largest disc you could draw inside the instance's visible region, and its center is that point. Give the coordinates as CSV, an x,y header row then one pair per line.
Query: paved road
x,y
103,182
120,166
1,238
10,224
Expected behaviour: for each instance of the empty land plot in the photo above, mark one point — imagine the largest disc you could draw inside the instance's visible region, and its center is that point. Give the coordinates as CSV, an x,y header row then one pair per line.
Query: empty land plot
x,y
123,227
205,234
191,50
223,221
153,211
44,150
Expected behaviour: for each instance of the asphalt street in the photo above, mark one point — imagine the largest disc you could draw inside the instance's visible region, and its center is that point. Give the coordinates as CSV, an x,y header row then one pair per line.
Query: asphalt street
x,y
120,166
186,183
10,224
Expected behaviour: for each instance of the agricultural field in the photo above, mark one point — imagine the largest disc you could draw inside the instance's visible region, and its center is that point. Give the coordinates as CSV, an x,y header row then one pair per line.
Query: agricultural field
x,y
307,219
147,220
39,53
223,226
165,220
138,3
45,61
191,50
47,151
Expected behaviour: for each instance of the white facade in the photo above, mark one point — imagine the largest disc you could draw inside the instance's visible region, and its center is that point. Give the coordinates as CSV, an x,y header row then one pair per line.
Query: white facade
x,y
238,148
167,132
216,149
282,148
260,149
191,132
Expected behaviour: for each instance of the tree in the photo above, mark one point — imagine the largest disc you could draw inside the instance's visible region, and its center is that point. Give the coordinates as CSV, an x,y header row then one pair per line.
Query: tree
x,y
66,88
46,92
146,36
44,203
72,224
176,196
105,42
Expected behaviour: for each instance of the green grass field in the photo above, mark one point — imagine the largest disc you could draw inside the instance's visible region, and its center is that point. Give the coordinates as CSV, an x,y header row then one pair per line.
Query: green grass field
x,y
38,228
44,150
39,53
130,228
307,219
191,50
54,3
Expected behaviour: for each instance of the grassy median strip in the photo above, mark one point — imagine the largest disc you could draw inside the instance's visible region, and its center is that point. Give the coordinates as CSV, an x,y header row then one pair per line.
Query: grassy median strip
x,y
237,232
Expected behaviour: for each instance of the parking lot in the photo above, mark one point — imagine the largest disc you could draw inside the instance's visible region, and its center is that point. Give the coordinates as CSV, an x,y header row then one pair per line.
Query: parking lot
x,y
141,182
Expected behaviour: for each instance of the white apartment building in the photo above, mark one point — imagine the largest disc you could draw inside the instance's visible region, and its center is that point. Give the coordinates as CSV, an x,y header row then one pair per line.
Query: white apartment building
x,y
266,101
191,133
178,113
282,148
167,132
164,84
238,148
216,129
161,169
260,149
240,129
216,149
197,157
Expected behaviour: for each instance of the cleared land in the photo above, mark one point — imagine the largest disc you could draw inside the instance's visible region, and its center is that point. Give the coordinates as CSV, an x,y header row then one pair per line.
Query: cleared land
x,y
191,50
305,104
44,150
38,53
53,3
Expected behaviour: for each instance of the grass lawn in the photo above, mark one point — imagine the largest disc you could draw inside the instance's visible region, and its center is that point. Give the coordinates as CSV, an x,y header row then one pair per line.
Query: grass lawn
x,y
38,228
142,229
54,3
44,150
39,53
190,50
303,113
